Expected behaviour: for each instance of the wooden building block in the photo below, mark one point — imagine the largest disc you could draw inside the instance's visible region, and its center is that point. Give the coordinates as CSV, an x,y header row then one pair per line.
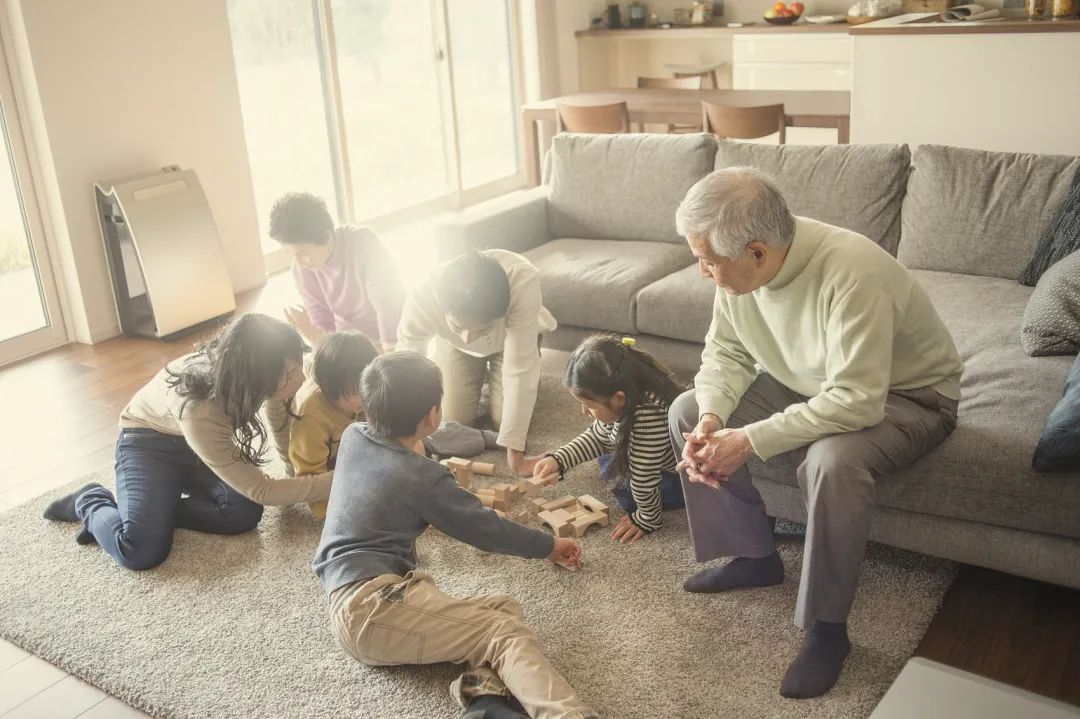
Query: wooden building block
x,y
533,485
559,503
505,492
537,505
594,504
485,468
460,468
581,524
560,528
561,515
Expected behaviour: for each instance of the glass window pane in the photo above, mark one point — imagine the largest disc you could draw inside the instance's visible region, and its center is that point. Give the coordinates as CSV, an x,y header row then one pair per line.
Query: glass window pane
x,y
392,102
22,308
483,90
282,101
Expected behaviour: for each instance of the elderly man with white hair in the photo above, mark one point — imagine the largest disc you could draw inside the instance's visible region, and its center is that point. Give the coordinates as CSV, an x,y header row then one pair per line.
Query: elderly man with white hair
x,y
819,339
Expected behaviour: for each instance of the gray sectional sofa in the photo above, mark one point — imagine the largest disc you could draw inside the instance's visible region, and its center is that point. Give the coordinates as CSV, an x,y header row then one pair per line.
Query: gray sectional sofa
x,y
966,222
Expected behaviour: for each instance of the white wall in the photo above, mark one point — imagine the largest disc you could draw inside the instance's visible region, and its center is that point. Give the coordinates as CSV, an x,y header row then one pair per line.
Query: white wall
x,y
120,87
1005,92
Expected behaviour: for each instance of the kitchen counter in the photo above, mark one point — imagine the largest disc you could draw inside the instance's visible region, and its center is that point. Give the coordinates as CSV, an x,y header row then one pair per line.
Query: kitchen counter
x,y
931,26
655,33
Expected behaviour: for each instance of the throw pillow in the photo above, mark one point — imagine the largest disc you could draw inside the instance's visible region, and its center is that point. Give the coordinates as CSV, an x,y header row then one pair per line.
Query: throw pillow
x,y
1061,238
1059,446
1051,323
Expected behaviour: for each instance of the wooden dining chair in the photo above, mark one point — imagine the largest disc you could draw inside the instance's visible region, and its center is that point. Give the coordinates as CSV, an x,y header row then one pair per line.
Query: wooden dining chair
x,y
708,71
743,123
693,82
596,119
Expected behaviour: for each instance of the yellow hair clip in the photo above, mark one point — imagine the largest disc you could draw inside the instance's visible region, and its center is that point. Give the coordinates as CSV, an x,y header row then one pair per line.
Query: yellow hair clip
x,y
629,341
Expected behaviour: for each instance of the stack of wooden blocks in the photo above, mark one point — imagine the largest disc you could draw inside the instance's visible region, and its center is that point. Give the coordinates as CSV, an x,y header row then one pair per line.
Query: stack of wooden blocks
x,y
572,516
567,516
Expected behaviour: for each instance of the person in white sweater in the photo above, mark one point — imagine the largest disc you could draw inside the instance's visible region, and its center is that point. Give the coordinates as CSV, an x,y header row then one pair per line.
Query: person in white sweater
x,y
191,446
856,367
485,311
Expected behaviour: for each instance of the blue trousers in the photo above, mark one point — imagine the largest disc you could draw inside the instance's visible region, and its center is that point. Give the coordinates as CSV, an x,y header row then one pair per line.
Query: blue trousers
x,y
161,485
671,492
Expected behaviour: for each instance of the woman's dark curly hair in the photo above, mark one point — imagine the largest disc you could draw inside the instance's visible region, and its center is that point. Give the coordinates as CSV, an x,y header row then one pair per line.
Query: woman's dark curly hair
x,y
242,367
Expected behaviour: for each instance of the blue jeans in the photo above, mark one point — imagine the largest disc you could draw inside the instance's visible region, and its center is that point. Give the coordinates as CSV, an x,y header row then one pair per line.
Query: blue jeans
x,y
161,485
671,494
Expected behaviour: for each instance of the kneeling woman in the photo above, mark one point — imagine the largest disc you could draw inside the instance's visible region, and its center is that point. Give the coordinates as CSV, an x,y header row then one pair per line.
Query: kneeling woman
x,y
191,445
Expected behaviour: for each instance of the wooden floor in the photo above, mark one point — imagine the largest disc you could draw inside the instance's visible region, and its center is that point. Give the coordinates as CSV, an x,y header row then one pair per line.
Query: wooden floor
x,y
1017,631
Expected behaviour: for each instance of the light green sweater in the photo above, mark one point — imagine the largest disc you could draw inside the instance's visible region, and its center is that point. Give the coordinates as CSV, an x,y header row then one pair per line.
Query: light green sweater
x,y
842,323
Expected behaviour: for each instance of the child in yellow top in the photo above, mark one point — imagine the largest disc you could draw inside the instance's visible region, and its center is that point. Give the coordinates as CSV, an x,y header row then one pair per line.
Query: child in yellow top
x,y
332,404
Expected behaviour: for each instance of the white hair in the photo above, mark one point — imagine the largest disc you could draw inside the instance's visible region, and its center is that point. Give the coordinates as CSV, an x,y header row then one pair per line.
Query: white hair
x,y
734,207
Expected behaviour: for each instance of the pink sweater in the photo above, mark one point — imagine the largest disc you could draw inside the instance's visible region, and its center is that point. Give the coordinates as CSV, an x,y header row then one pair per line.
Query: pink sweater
x,y
357,289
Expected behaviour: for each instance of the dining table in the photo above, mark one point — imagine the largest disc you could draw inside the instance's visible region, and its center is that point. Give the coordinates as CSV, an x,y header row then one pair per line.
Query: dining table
x,y
802,108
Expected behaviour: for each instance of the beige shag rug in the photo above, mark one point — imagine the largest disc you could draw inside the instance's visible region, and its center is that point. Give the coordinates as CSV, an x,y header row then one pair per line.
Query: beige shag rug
x,y
236,626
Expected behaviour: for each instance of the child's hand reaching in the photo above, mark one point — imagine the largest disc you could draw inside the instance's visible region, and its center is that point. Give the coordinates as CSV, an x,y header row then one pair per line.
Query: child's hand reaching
x,y
626,531
299,318
567,553
547,469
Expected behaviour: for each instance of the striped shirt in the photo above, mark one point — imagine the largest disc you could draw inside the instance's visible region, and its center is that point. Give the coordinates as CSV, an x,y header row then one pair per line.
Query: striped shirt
x,y
650,453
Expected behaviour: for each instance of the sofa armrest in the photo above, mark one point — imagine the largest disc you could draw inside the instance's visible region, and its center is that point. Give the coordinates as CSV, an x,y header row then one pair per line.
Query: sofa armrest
x,y
516,222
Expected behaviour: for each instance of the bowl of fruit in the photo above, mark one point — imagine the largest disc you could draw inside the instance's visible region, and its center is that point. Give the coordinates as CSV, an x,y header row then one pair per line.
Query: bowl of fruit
x,y
782,14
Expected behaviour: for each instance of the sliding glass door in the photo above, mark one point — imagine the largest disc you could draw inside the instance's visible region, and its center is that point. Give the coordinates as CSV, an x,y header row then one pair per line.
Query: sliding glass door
x,y
391,110
30,320
278,71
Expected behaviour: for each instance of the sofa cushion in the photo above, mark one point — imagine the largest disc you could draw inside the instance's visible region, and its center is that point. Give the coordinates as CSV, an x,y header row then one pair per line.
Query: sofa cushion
x,y
983,472
623,187
593,283
977,212
1052,319
858,187
1061,238
678,306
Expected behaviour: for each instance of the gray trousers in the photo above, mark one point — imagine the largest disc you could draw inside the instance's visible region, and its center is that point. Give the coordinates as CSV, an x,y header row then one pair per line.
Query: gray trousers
x,y
837,479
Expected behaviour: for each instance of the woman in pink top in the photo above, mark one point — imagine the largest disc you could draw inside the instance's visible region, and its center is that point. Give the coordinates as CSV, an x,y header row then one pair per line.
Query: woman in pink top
x,y
344,274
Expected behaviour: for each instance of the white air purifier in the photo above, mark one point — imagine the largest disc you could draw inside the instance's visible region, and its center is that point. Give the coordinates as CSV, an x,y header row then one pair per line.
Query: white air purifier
x,y
164,255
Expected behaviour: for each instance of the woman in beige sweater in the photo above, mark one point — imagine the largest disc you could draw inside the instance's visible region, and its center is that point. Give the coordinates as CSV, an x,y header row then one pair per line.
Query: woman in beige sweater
x,y
192,444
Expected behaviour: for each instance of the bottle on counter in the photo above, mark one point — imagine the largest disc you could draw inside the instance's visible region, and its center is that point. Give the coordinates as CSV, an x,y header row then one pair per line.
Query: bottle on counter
x,y
614,17
1034,8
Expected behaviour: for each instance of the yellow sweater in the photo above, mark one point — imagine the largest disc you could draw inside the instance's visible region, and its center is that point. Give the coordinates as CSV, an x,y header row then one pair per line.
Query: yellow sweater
x,y
314,438
842,323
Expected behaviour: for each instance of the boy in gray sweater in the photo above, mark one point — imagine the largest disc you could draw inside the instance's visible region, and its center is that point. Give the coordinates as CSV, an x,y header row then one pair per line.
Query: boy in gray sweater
x,y
383,610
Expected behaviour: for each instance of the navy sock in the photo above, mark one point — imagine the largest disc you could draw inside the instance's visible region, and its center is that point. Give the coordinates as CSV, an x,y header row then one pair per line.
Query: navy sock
x,y
739,573
819,663
63,509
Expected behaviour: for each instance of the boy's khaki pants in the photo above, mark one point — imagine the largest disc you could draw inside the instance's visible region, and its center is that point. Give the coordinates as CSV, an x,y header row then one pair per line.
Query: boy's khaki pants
x,y
407,620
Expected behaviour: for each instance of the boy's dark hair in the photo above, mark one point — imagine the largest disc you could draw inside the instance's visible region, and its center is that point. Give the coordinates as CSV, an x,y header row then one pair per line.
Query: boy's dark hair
x,y
242,366
397,390
473,287
340,360
300,218
605,364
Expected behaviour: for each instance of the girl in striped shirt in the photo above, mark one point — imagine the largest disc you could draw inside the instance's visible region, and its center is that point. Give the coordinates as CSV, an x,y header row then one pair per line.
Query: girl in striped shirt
x,y
627,393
